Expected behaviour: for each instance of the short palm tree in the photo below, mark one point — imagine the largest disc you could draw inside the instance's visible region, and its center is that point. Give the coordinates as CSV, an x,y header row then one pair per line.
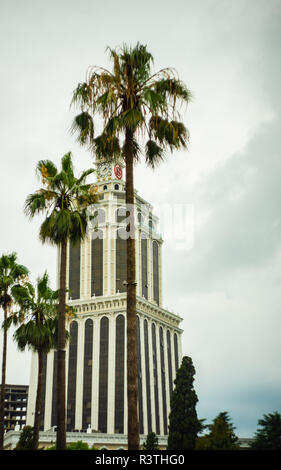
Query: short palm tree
x,y
139,112
11,274
37,329
64,200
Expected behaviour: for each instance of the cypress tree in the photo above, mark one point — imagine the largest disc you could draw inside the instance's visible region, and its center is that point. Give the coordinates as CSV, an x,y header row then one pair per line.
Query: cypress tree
x,y
183,422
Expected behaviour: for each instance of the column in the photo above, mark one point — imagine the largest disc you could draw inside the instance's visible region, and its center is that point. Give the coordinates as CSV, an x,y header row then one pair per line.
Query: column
x,y
143,369
153,419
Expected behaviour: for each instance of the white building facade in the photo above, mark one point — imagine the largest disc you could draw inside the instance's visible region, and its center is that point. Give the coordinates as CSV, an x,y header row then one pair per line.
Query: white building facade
x,y
96,355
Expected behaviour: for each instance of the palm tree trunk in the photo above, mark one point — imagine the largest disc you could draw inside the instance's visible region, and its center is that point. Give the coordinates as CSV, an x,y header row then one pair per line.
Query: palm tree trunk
x,y
3,384
132,382
61,428
38,400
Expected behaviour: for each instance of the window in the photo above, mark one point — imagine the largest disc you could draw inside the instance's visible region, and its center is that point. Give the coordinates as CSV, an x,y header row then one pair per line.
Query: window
x,y
155,377
105,187
163,381
97,265
140,398
121,261
87,376
169,362
119,374
176,351
144,268
147,374
121,214
116,187
103,375
74,270
156,272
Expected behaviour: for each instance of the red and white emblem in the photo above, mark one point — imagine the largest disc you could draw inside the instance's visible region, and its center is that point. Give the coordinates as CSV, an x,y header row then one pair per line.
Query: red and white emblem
x,y
118,171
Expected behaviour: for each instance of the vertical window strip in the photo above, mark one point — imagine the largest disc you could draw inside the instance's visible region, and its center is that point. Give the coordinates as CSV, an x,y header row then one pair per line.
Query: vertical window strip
x,y
144,279
156,272
155,377
147,373
97,264
170,363
163,380
140,397
176,351
87,375
103,375
74,270
119,375
121,261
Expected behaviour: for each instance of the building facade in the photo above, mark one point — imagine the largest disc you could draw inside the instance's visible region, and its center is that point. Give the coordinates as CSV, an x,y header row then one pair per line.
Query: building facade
x,y
96,355
15,406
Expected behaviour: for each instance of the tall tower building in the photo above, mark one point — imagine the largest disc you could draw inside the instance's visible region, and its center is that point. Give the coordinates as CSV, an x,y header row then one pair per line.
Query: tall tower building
x,y
96,356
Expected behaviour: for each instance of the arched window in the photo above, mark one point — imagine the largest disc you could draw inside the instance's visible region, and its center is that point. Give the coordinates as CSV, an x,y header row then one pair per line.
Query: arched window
x,y
87,376
155,375
116,187
140,398
74,270
99,217
103,375
97,263
176,351
169,362
140,218
156,272
105,187
147,375
119,374
144,276
121,260
163,380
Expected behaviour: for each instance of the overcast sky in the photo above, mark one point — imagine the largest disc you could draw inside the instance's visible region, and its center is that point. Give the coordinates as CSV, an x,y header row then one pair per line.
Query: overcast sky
x,y
227,287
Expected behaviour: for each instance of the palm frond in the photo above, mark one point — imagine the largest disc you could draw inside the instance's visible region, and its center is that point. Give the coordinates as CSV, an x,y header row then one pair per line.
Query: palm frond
x,y
154,154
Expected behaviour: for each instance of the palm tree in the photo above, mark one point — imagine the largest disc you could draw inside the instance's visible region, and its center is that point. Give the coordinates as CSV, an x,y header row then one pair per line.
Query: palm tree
x,y
11,273
37,320
64,199
135,105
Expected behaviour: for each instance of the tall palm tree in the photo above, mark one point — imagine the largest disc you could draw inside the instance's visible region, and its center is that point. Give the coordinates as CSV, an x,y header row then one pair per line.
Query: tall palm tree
x,y
11,274
140,115
64,200
37,329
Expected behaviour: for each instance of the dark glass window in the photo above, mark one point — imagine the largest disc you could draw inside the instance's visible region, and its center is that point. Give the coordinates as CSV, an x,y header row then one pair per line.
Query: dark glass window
x,y
97,264
147,375
105,187
43,396
121,260
144,268
170,362
163,380
176,351
119,374
116,187
74,270
150,225
140,397
54,391
103,374
156,272
155,377
140,218
72,369
87,376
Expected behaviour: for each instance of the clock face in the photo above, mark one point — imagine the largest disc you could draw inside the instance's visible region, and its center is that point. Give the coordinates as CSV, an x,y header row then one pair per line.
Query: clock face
x,y
118,171
104,170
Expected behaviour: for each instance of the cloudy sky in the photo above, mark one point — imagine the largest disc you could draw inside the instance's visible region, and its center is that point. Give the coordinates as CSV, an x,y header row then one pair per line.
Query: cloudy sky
x,y
227,285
